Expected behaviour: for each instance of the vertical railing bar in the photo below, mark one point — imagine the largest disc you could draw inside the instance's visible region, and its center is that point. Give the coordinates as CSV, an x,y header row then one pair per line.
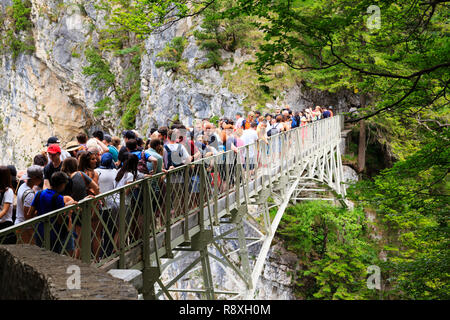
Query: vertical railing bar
x,y
186,203
168,206
86,232
122,226
216,191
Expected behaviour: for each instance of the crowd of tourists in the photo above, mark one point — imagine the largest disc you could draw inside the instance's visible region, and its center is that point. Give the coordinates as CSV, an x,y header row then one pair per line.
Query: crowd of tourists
x,y
89,166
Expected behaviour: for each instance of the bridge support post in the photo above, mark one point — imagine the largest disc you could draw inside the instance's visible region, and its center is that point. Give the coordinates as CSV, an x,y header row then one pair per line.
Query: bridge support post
x,y
200,243
150,274
237,218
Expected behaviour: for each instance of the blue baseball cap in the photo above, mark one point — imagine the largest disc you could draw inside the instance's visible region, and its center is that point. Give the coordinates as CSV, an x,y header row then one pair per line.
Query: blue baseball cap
x,y
106,162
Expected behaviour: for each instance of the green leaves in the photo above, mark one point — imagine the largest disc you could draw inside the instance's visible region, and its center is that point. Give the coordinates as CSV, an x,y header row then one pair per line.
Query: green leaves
x,y
413,201
98,67
333,249
21,15
172,55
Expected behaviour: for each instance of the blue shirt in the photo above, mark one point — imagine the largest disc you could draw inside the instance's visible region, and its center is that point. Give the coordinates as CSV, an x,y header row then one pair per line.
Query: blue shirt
x,y
47,204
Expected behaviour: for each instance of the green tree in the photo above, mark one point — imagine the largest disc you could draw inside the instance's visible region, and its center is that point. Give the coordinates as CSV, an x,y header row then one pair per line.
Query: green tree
x,y
219,32
412,200
172,55
334,250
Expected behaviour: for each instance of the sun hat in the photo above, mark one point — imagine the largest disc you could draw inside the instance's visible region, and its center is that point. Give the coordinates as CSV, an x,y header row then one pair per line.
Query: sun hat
x,y
72,146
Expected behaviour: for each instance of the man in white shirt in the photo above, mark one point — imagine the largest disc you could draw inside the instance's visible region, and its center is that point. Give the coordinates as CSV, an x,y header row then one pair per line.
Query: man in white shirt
x,y
239,120
25,195
175,154
250,137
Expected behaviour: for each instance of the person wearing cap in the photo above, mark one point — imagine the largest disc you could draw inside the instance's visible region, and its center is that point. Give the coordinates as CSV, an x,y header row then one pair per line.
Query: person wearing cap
x,y
25,195
64,154
54,165
330,108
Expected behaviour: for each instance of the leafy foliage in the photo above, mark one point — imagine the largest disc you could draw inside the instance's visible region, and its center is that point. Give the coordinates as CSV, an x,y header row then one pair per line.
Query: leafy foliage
x,y
98,68
104,79
18,38
143,17
21,15
401,67
412,199
219,32
333,249
172,55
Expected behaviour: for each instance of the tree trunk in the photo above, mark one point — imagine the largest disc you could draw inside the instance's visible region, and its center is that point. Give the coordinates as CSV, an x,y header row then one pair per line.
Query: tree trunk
x,y
362,139
362,147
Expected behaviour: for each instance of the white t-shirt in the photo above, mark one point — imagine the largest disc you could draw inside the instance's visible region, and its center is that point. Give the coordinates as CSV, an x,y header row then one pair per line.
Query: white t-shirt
x,y
239,122
250,136
106,182
106,179
23,201
8,197
127,178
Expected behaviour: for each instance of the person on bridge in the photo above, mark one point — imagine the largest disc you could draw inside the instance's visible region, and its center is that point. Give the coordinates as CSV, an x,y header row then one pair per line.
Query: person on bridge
x,y
6,203
249,137
49,200
54,165
25,195
107,173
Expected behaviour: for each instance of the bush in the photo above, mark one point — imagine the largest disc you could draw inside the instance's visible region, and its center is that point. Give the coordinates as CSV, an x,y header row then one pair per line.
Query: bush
x,y
172,54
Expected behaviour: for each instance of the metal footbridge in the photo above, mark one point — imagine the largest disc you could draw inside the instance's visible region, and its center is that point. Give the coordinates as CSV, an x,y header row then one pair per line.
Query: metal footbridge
x,y
202,207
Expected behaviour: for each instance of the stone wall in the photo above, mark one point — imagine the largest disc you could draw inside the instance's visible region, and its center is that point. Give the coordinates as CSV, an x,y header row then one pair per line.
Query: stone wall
x,y
31,273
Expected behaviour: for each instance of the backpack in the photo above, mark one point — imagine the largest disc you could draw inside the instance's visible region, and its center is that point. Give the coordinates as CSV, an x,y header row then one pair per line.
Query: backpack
x,y
294,123
274,130
169,157
142,164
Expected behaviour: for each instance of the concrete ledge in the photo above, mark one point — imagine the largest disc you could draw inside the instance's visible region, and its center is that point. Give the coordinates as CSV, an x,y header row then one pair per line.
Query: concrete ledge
x,y
131,276
31,273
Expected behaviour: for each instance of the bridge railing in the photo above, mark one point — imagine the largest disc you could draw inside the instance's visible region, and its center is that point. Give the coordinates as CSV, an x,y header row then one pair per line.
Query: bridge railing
x,y
103,229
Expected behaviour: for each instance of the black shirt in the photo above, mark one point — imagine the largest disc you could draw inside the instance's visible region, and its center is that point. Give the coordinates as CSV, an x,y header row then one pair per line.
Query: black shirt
x,y
49,169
